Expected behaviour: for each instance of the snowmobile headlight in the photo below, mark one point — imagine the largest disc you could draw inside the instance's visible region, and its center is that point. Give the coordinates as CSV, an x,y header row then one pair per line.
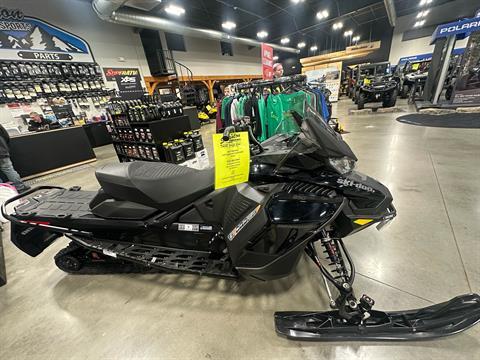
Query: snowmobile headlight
x,y
343,165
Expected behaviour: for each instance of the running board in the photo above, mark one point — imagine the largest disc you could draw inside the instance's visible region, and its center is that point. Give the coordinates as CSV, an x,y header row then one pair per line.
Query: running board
x,y
164,258
448,318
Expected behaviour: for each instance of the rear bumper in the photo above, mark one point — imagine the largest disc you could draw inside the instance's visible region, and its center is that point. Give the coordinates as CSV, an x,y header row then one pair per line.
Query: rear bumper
x,y
29,236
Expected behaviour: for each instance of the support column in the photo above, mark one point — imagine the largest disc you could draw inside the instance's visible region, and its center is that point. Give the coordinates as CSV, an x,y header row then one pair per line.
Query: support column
x,y
443,74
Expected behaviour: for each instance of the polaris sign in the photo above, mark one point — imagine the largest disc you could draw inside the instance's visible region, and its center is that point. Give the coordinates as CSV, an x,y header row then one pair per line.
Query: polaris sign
x,y
461,29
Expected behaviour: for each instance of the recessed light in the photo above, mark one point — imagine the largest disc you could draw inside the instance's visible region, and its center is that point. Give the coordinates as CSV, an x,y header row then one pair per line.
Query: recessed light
x,y
337,25
262,34
229,25
297,1
419,23
285,40
314,48
275,58
422,14
301,45
425,2
293,67
175,10
322,14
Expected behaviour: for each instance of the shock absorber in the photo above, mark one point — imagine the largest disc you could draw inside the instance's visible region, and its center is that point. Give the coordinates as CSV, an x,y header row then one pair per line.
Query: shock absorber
x,y
335,257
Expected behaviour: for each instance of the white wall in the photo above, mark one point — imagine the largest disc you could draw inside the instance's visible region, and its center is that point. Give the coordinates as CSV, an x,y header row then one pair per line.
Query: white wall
x,y
419,46
441,14
204,57
107,41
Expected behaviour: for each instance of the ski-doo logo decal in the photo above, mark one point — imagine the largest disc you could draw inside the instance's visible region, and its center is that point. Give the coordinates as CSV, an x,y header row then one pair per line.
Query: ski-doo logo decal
x,y
242,223
351,183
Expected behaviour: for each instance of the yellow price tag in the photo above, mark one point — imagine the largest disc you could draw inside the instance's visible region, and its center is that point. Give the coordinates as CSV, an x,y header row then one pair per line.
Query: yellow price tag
x,y
232,159
415,66
208,107
366,81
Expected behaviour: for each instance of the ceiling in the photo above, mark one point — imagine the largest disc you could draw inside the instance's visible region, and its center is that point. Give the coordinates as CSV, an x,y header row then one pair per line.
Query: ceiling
x,y
281,18
367,19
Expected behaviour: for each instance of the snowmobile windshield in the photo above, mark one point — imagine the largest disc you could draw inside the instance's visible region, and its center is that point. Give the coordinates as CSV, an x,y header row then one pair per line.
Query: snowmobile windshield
x,y
314,143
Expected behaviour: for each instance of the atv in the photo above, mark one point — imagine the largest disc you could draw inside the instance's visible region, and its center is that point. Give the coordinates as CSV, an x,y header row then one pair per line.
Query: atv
x,y
378,89
303,195
410,76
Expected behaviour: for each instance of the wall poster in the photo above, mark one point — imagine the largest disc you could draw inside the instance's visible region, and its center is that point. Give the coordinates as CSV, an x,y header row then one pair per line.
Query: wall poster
x,y
328,74
129,82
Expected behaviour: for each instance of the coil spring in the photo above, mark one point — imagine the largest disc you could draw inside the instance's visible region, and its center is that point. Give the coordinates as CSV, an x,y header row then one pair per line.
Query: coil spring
x,y
335,258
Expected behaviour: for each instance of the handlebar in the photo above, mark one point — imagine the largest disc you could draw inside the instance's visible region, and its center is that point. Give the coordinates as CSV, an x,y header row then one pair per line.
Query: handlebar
x,y
251,137
227,131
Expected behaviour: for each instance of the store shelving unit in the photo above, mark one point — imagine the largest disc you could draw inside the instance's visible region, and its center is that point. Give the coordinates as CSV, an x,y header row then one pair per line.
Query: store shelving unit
x,y
143,140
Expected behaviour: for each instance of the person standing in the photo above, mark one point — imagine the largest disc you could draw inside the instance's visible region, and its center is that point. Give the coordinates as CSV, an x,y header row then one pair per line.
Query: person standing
x,y
277,70
6,166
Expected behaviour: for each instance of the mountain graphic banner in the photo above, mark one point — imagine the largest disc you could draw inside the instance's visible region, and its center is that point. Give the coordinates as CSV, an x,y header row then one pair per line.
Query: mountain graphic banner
x,y
32,39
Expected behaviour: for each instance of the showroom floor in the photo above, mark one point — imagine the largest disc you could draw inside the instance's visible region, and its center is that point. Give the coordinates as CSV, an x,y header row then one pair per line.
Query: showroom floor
x,y
429,254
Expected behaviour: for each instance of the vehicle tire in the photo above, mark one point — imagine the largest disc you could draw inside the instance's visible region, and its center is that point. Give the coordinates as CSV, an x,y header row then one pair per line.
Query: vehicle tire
x,y
404,93
449,92
391,100
361,101
68,263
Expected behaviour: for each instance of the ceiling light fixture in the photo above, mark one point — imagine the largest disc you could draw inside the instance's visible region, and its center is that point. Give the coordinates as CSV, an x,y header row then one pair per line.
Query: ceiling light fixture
x,y
284,40
356,38
337,25
229,25
275,58
425,2
322,14
262,34
301,45
297,1
422,14
314,48
419,23
348,33
174,10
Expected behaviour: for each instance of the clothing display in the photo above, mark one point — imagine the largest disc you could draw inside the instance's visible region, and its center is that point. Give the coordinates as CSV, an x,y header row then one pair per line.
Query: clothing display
x,y
268,107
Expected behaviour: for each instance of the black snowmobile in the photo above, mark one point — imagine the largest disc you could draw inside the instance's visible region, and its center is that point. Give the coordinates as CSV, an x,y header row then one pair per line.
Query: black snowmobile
x,y
303,195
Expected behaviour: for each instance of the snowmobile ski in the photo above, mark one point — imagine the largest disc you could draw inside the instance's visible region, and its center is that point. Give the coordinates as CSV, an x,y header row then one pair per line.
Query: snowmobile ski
x,y
447,318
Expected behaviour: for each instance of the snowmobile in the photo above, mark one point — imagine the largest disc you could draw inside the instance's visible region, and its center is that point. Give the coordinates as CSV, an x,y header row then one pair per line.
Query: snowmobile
x,y
303,195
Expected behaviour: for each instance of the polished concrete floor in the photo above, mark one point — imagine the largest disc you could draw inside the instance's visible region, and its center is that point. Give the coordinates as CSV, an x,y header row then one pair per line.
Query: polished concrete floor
x,y
429,254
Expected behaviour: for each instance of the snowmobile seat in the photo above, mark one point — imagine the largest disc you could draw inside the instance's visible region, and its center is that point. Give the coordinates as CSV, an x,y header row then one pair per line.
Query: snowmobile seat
x,y
164,186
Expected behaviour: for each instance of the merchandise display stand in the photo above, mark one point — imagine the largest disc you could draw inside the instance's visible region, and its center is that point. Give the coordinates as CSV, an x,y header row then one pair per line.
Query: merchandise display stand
x,y
208,80
134,138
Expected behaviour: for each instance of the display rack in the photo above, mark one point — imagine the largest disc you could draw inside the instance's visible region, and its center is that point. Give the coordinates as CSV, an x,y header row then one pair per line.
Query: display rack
x,y
30,81
140,130
286,80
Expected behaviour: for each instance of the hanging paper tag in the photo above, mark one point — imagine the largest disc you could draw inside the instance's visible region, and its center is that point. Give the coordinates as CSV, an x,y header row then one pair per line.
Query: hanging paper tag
x,y
232,159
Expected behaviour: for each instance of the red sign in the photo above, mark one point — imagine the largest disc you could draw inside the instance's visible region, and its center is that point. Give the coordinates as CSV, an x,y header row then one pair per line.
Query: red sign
x,y
267,62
